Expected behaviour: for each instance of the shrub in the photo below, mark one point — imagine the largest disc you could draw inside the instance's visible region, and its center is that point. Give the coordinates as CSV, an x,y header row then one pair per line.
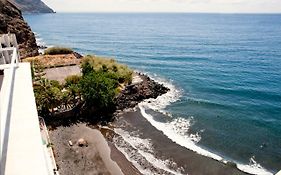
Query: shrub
x,y
86,67
57,51
94,91
48,95
98,91
122,72
72,80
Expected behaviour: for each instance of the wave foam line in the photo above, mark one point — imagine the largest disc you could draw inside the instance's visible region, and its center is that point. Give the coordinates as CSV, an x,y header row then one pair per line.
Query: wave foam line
x,y
253,168
189,141
161,102
177,133
40,42
144,148
141,169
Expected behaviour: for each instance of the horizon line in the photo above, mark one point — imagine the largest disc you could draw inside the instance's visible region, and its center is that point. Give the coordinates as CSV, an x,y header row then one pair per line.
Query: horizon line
x,y
145,12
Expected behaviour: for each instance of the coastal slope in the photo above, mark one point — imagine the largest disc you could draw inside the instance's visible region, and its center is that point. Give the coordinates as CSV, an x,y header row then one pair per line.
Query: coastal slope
x,y
13,22
32,6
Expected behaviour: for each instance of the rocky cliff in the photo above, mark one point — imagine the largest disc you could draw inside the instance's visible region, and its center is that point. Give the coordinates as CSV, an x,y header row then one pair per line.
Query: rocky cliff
x,y
11,21
32,6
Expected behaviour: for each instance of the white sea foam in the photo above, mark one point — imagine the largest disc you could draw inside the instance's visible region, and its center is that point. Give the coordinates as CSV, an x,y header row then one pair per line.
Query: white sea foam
x,y
177,129
161,102
145,149
40,42
253,168
134,162
177,132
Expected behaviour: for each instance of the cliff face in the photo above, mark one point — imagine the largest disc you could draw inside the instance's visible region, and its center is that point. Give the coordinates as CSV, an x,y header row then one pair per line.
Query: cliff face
x,y
11,21
32,6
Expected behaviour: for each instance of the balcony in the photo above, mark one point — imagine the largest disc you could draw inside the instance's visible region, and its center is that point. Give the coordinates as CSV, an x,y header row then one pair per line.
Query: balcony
x,y
23,149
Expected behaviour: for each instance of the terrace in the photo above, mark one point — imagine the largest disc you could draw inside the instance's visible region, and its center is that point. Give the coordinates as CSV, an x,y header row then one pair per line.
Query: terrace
x,y
24,149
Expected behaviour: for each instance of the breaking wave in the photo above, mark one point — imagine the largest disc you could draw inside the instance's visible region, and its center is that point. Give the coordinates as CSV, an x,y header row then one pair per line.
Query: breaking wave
x,y
177,129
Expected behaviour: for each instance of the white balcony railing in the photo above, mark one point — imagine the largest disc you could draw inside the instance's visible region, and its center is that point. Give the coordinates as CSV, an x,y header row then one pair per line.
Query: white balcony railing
x,y
21,147
10,66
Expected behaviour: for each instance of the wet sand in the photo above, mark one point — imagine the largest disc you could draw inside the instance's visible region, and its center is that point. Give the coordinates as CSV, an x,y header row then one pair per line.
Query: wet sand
x,y
164,148
102,157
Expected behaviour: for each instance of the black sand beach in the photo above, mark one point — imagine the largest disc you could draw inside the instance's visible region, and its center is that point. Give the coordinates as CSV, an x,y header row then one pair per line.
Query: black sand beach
x,y
108,159
191,162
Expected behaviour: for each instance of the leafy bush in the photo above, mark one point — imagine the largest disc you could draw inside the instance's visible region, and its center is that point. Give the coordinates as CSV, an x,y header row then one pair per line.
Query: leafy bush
x,y
86,67
48,95
122,72
95,90
57,51
72,79
98,91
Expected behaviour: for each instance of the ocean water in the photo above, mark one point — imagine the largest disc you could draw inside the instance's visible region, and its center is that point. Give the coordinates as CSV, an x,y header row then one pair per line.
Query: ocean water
x,y
224,71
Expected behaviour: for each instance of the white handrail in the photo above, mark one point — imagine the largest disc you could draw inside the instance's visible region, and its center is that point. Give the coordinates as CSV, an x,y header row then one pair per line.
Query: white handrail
x,y
7,49
5,115
3,51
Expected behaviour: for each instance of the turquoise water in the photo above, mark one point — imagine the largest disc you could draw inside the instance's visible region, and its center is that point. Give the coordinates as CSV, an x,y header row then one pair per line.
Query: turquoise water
x,y
226,67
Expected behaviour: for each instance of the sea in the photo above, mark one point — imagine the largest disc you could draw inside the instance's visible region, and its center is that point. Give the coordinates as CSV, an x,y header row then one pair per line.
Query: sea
x,y
223,71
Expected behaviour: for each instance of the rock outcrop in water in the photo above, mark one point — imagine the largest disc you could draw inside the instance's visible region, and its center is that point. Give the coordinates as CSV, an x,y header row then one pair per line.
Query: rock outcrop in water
x,y
32,6
11,21
135,93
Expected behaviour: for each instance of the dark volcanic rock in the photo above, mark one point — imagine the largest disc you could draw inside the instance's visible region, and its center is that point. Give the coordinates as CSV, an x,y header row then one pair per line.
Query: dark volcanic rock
x,y
11,21
77,55
32,6
133,94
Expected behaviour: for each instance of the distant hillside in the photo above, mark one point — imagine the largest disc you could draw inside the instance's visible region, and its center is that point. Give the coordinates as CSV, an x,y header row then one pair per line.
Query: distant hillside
x,y
32,6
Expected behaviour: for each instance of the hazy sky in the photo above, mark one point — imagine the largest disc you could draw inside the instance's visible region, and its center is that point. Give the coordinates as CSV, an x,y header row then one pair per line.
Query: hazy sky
x,y
221,6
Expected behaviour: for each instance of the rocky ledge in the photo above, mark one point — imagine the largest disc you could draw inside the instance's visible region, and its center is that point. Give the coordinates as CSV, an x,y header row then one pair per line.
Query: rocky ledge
x,y
11,21
135,93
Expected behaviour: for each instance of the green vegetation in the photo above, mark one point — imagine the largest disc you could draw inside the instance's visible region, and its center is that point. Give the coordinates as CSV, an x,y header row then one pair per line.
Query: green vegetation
x,y
48,95
122,72
98,91
93,92
57,51
36,70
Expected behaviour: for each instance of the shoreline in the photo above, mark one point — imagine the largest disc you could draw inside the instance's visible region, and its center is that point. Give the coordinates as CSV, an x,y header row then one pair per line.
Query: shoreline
x,y
145,88
196,163
65,136
187,160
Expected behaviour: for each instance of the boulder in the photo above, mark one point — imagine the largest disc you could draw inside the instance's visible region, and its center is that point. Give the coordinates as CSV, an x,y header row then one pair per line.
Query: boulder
x,y
133,94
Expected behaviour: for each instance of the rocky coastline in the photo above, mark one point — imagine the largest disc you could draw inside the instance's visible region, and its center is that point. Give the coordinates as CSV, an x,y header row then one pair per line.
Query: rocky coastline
x,y
13,22
100,155
137,92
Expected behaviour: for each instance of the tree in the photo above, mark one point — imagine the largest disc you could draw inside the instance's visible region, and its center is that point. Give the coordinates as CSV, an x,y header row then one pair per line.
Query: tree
x,y
86,68
48,95
98,91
